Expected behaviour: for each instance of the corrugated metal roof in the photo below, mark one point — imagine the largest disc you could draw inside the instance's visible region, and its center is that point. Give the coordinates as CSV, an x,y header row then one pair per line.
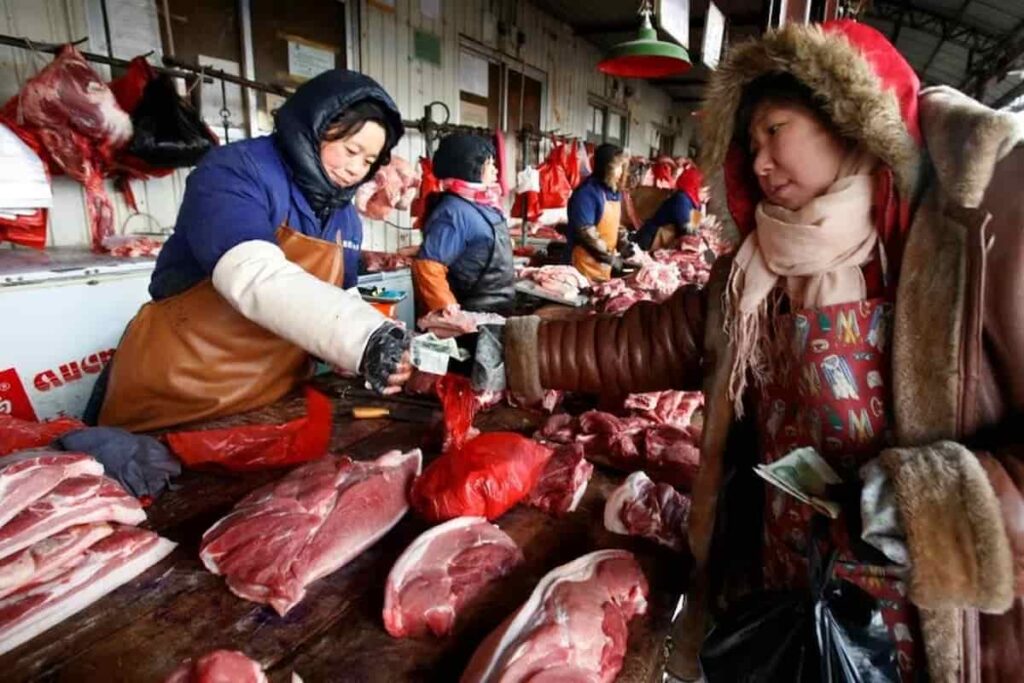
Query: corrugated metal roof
x,y
973,45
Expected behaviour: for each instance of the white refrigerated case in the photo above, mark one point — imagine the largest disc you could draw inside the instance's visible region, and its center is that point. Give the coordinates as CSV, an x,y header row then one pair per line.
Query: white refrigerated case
x,y
62,313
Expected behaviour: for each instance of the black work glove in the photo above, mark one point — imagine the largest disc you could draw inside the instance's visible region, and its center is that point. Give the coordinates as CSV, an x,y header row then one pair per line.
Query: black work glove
x,y
626,247
617,265
383,354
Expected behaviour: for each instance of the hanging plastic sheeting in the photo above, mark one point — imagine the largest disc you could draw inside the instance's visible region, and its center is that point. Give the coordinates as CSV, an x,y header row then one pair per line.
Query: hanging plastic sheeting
x,y
73,114
25,194
429,184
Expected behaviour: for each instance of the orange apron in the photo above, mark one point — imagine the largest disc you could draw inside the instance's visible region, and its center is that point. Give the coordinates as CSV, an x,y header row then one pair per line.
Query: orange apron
x,y
194,357
607,230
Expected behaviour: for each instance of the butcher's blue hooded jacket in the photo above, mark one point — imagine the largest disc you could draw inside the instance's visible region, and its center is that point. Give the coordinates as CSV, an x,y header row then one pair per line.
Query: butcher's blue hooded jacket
x,y
243,191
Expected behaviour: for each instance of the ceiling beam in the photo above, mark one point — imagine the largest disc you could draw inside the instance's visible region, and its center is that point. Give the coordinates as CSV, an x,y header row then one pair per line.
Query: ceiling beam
x,y
995,61
945,27
940,41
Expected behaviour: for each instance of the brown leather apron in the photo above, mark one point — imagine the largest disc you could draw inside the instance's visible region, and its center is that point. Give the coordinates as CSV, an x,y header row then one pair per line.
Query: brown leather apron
x,y
607,230
194,357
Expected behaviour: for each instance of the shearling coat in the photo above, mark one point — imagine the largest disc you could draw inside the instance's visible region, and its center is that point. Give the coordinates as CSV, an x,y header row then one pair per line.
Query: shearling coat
x,y
958,341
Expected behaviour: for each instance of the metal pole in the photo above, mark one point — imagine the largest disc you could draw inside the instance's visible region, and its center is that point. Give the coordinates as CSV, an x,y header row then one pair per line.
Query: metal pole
x,y
106,28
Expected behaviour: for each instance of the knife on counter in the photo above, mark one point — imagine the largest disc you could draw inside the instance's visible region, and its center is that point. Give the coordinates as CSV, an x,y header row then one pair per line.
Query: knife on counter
x,y
402,413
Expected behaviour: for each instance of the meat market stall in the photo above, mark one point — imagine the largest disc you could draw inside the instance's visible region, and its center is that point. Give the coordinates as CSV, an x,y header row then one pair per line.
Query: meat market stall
x,y
177,609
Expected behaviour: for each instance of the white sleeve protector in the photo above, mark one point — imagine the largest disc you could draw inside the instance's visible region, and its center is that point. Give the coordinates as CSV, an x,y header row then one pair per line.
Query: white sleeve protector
x,y
329,322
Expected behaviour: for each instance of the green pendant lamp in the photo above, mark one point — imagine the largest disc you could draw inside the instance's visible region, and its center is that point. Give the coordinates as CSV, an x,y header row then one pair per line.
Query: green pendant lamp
x,y
646,57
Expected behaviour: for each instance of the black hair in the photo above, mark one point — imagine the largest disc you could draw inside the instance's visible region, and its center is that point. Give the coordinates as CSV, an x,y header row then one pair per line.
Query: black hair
x,y
351,121
462,155
604,156
777,88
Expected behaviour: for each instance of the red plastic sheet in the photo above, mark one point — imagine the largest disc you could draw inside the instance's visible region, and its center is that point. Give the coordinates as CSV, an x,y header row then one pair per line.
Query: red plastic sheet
x,y
256,447
487,476
459,404
428,186
18,435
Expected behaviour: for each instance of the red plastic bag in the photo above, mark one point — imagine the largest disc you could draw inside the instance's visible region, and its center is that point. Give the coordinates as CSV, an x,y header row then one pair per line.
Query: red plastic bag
x,y
527,206
429,184
554,182
459,404
30,230
19,435
572,166
257,447
487,477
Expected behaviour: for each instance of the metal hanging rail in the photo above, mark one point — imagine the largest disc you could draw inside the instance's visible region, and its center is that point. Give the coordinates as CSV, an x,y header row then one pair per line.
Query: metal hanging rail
x,y
54,48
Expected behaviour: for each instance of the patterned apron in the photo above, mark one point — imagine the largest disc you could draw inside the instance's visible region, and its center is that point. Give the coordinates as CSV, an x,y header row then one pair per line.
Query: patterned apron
x,y
833,395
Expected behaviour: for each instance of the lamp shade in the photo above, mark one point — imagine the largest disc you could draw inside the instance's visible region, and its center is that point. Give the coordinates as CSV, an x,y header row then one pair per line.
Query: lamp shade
x,y
646,57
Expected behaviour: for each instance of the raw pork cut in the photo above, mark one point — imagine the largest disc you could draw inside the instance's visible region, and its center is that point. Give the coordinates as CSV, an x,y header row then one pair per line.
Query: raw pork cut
x,y
563,481
452,321
641,507
574,626
77,119
383,261
106,565
49,557
443,570
562,281
674,408
219,666
486,477
284,536
77,500
393,187
27,477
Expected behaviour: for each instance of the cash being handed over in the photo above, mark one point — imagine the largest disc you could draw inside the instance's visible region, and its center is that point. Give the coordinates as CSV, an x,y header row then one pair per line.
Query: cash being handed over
x,y
803,474
430,354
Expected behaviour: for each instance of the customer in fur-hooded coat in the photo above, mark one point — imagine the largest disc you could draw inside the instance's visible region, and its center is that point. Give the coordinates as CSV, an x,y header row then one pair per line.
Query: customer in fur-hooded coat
x,y
876,318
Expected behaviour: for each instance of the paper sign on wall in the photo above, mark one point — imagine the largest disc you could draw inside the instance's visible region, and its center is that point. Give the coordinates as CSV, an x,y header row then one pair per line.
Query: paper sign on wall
x,y
306,61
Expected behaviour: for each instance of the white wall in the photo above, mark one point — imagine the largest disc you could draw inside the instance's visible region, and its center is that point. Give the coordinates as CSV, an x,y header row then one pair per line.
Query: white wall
x,y
386,53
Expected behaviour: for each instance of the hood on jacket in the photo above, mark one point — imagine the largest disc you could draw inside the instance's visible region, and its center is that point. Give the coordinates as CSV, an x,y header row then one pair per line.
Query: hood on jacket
x,y
303,118
865,86
462,156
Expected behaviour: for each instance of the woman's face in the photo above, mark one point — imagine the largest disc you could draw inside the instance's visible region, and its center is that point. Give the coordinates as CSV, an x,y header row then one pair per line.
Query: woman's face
x,y
489,172
348,160
796,157
614,175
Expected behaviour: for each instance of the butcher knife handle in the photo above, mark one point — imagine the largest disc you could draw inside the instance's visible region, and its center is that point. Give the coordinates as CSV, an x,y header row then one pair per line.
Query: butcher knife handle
x,y
370,412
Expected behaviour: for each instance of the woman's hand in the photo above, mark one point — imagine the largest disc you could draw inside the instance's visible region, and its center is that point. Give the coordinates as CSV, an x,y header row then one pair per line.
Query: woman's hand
x,y
400,376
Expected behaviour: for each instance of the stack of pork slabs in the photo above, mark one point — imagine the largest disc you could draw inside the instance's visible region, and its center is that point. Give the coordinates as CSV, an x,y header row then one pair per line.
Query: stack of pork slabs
x,y
67,538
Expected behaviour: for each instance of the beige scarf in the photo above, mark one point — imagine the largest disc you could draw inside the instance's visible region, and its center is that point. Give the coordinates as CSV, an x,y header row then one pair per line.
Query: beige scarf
x,y
815,253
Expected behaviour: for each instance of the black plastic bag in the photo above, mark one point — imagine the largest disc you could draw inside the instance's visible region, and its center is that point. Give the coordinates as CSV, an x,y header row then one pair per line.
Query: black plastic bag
x,y
169,133
833,633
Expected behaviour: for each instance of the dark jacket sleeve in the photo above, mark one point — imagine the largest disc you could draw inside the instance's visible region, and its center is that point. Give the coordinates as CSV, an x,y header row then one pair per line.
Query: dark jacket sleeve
x,y
651,347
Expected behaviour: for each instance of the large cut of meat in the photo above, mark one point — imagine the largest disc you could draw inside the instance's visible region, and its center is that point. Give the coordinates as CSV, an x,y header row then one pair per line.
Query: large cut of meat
x,y
641,507
384,261
27,477
452,321
393,187
49,557
660,279
563,481
284,536
674,408
485,477
443,570
660,436
574,627
562,281
77,500
79,123
219,666
106,565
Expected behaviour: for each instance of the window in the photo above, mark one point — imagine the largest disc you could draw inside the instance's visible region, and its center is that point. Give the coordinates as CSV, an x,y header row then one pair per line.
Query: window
x,y
608,123
479,90
208,33
292,42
